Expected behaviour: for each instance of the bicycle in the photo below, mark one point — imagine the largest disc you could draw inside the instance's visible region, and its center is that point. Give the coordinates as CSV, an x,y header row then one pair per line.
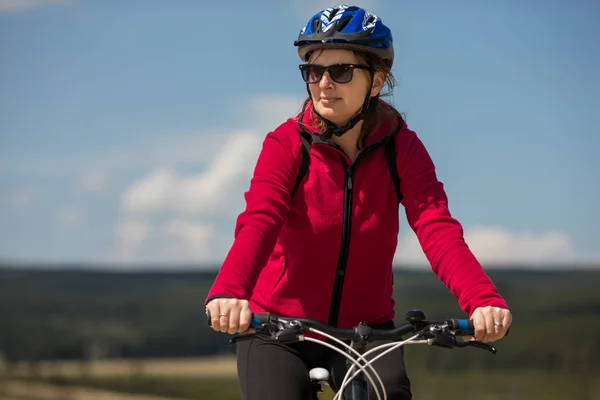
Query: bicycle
x,y
289,329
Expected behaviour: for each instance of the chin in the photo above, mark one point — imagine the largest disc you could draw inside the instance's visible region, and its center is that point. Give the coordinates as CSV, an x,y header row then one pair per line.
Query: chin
x,y
331,114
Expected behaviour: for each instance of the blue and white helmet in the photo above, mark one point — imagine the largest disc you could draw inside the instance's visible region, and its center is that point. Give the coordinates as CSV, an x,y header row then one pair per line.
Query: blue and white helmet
x,y
346,27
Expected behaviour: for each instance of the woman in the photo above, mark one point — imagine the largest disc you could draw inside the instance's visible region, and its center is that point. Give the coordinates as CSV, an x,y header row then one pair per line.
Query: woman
x,y
323,247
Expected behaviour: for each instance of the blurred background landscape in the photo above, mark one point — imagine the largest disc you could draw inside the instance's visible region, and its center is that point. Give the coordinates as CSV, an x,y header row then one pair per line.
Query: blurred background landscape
x,y
145,333
128,135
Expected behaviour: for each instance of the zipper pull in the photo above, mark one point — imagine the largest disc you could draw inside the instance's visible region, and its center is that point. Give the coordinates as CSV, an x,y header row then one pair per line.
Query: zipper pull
x,y
350,179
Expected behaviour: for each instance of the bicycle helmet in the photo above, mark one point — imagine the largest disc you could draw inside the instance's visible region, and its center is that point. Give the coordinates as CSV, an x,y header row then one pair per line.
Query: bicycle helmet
x,y
347,27
352,28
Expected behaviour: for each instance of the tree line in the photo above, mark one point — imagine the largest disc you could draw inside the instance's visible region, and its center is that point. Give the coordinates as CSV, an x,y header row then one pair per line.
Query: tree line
x,y
87,315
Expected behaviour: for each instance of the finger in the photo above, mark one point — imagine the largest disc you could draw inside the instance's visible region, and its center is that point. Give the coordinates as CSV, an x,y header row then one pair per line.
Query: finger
x,y
490,328
234,321
493,324
223,322
501,323
498,319
245,318
478,324
213,309
467,338
208,316
506,322
224,311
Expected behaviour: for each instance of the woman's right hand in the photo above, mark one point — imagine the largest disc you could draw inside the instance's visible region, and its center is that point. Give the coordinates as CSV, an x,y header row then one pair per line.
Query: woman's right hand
x,y
230,315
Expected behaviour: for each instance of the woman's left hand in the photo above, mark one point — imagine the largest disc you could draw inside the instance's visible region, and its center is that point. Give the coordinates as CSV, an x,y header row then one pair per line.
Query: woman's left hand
x,y
491,323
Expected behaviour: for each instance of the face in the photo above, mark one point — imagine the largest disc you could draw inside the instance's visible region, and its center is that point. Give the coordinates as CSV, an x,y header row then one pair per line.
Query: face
x,y
339,102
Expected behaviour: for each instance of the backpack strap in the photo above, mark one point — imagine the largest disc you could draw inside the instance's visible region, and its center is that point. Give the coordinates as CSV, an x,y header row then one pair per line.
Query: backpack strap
x,y
390,155
305,150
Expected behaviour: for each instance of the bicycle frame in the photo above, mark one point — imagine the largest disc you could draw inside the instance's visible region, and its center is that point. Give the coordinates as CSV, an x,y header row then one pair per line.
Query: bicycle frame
x,y
358,388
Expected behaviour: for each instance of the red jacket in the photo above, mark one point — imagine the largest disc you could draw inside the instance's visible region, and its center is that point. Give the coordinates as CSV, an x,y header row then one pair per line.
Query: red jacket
x,y
327,252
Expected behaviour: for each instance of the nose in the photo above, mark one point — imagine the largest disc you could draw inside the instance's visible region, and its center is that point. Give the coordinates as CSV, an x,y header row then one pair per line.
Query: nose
x,y
325,81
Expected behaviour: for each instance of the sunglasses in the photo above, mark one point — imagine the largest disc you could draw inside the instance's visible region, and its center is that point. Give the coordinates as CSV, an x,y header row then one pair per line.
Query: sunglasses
x,y
340,73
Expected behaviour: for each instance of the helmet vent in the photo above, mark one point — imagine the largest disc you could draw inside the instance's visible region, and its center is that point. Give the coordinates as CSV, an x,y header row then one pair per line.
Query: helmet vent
x,y
316,25
343,23
333,12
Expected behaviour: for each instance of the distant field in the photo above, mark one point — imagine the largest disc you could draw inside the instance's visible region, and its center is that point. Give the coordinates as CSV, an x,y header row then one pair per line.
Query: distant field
x,y
206,366
214,378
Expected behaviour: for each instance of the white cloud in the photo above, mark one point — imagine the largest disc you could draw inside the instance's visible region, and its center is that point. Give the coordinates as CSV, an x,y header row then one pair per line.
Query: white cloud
x,y
20,5
189,241
151,193
211,191
212,196
142,243
71,217
498,246
229,164
94,180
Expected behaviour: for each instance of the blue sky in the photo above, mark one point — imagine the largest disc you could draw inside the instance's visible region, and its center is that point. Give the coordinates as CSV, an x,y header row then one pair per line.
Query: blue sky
x,y
128,130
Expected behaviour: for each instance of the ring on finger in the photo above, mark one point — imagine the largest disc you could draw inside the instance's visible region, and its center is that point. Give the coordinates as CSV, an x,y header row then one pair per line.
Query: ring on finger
x,y
498,324
223,315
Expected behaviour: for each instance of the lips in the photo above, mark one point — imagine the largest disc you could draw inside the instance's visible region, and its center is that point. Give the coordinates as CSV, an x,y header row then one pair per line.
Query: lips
x,y
329,100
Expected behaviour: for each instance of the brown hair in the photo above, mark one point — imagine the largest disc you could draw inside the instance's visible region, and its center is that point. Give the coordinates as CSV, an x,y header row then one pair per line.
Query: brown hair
x,y
374,114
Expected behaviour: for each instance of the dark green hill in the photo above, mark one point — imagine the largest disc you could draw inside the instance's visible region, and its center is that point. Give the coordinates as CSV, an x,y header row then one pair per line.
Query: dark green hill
x,y
75,313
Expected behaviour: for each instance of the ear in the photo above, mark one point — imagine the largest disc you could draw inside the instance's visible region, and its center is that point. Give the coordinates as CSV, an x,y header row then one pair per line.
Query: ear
x,y
378,82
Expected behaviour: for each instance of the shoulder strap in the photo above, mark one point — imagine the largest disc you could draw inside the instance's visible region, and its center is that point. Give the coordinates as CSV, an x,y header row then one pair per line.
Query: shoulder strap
x,y
390,155
305,150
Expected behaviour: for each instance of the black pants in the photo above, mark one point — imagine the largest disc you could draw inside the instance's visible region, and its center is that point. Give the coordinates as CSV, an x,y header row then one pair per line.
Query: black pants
x,y
275,371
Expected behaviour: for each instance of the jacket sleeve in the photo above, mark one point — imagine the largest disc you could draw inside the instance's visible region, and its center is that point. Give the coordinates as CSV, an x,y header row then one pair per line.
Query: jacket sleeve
x,y
259,225
440,235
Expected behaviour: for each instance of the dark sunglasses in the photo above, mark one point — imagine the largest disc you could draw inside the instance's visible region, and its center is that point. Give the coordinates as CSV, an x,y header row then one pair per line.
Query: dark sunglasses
x,y
340,73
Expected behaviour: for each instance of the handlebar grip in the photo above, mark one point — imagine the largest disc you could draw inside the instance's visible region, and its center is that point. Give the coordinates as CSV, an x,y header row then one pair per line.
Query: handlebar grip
x,y
258,319
463,326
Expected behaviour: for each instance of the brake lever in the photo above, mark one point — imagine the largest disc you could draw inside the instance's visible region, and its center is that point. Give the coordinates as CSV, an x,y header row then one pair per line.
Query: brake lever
x,y
283,336
247,336
478,344
442,337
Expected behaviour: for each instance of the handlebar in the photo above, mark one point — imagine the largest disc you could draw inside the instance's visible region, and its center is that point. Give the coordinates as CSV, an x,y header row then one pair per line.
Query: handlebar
x,y
442,333
361,332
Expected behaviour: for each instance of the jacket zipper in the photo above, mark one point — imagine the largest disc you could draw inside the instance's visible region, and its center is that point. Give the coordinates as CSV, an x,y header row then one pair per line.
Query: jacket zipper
x,y
340,272
336,298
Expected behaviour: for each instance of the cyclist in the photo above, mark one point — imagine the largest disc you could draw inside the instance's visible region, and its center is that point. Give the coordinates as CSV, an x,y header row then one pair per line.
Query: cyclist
x,y
323,247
